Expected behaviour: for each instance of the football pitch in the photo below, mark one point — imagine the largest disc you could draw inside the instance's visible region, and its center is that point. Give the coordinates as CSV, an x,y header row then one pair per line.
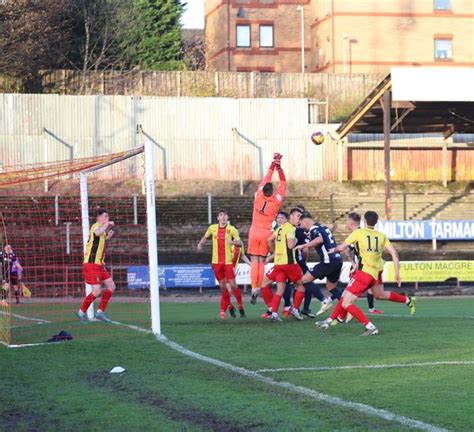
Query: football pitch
x,y
242,375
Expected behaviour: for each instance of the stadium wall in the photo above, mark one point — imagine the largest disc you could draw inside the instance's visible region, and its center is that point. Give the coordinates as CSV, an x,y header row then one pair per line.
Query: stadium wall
x,y
194,138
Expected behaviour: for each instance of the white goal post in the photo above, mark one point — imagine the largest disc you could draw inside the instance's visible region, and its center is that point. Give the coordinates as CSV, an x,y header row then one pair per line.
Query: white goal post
x,y
148,151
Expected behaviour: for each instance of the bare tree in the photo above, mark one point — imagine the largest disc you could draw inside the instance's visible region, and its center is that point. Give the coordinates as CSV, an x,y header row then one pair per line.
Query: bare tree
x,y
34,35
193,49
100,31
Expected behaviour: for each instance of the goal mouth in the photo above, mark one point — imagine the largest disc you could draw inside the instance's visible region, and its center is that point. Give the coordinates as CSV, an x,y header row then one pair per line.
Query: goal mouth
x,y
43,238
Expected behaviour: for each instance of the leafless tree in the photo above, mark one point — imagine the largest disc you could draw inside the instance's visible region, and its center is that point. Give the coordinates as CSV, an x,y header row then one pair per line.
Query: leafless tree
x,y
193,49
100,30
33,35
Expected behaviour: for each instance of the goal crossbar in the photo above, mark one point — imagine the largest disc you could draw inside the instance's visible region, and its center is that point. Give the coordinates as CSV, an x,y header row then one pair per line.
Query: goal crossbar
x,y
127,155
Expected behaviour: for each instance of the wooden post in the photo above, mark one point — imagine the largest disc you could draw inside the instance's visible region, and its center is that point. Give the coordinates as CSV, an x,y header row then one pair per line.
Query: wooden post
x,y
386,145
216,83
405,207
331,208
433,230
340,161
252,84
444,162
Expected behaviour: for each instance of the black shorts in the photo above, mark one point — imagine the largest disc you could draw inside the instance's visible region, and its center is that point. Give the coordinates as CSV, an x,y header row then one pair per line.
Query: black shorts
x,y
13,280
331,271
304,267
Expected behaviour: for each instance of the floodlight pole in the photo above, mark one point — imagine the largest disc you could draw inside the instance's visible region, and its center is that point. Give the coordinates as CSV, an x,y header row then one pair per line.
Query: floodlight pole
x,y
301,10
387,103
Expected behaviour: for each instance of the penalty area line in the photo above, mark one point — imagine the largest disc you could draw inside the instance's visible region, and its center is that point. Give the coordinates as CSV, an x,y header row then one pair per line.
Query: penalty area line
x,y
333,400
375,366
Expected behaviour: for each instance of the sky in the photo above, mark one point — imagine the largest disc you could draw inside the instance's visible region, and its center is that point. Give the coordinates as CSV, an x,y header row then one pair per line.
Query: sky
x,y
194,14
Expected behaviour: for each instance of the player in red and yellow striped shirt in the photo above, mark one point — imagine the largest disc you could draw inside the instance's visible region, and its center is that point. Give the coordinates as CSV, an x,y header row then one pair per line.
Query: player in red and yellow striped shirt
x,y
93,267
224,237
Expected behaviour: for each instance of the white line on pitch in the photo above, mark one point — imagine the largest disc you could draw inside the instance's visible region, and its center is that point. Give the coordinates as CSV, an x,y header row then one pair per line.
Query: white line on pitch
x,y
375,366
363,408
132,327
426,316
39,320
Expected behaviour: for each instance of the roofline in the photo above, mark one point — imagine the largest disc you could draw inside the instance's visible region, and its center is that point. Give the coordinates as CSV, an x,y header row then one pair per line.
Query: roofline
x,y
364,106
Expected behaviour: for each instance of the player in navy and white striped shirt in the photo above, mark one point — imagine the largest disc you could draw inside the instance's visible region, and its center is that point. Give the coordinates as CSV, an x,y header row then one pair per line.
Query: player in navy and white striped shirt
x,y
330,265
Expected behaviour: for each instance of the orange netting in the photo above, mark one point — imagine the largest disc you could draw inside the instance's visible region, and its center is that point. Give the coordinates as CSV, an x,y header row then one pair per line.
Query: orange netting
x,y
12,175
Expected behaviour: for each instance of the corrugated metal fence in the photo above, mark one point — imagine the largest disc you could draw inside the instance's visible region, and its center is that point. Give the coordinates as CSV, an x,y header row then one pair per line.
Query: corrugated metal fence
x,y
194,138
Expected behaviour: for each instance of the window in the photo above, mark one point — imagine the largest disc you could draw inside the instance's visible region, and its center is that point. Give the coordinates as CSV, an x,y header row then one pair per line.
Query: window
x,y
266,36
243,35
443,49
442,5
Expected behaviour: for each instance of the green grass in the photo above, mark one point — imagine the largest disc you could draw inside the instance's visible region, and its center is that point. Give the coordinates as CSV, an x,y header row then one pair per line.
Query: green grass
x,y
67,386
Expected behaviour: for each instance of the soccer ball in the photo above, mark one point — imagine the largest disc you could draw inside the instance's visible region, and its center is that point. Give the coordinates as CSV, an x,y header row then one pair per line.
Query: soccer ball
x,y
317,138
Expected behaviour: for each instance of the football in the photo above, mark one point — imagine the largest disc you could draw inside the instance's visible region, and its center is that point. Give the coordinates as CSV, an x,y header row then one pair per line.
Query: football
x,y
317,138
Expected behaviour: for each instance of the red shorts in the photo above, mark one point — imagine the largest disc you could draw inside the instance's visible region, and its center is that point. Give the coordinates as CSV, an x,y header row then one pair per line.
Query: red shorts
x,y
94,274
285,272
223,271
258,244
360,283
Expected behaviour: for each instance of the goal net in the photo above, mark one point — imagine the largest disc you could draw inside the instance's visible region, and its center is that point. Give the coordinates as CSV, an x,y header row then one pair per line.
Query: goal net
x,y
45,216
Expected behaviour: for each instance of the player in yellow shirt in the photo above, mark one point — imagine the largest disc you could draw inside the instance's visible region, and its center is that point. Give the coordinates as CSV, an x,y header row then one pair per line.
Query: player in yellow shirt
x,y
286,268
224,236
352,224
93,268
369,245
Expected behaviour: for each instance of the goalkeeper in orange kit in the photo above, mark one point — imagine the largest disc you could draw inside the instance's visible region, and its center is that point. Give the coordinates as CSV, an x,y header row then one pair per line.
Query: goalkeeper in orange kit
x,y
265,208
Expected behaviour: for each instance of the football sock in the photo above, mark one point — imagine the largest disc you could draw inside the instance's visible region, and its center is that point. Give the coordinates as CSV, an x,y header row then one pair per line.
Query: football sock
x,y
287,295
87,302
316,291
238,297
370,300
254,268
308,296
357,314
105,299
338,310
397,298
343,315
224,302
276,303
267,295
299,296
17,296
336,294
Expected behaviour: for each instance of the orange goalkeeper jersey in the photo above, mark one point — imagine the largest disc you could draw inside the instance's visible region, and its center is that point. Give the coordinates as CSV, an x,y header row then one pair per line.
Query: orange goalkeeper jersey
x,y
266,208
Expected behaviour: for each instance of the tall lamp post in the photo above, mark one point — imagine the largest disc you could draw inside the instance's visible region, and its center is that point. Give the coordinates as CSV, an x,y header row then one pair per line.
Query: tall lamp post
x,y
301,10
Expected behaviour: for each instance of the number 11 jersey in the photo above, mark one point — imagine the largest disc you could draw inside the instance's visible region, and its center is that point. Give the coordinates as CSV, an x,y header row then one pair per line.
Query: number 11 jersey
x,y
369,245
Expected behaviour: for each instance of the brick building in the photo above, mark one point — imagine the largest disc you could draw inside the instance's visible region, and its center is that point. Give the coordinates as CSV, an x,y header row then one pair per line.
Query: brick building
x,y
339,35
